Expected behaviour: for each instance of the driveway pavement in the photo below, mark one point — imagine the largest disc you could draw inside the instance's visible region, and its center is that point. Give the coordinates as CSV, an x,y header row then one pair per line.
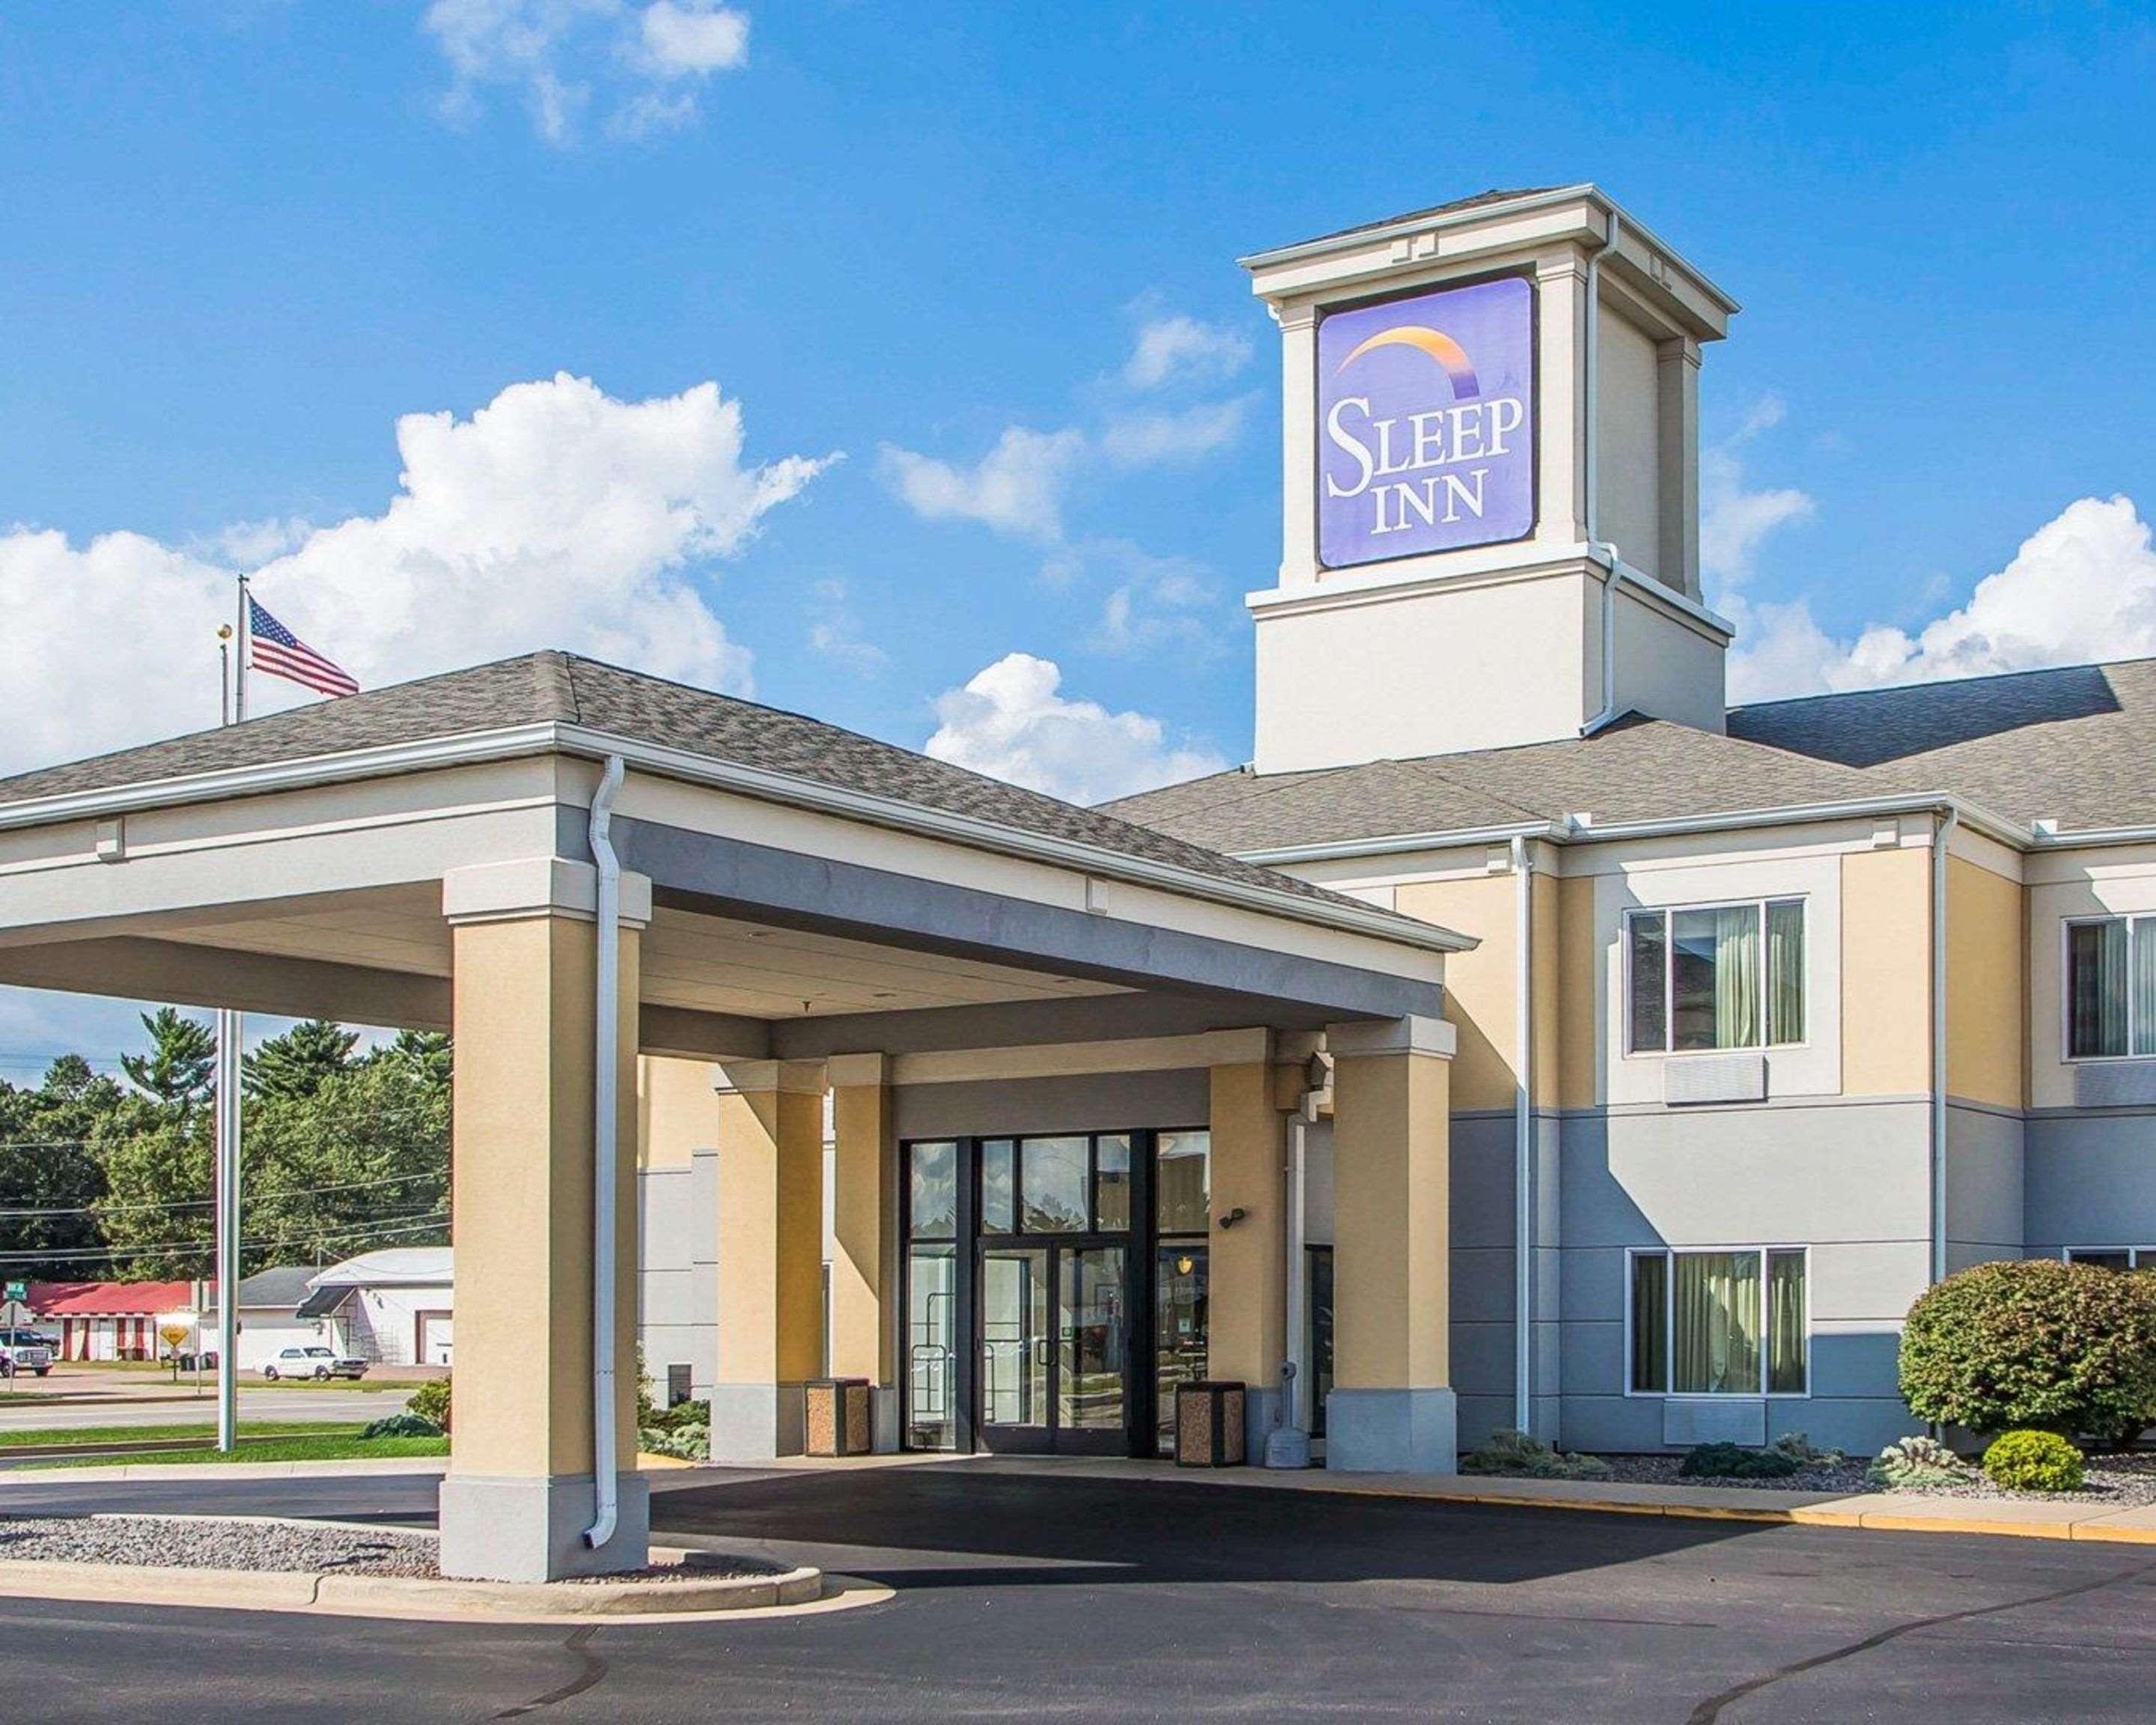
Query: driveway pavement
x,y
1070,1598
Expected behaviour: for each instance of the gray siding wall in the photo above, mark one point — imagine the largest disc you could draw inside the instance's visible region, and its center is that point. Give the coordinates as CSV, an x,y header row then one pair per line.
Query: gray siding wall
x,y
1484,1297
2089,1180
1986,1174
1850,1181
677,1275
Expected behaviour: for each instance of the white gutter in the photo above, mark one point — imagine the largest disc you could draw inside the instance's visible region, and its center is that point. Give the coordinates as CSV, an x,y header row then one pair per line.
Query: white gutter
x,y
606,1016
1942,836
1523,1025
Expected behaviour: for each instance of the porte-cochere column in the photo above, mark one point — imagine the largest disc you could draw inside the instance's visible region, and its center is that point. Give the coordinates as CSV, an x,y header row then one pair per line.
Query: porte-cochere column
x,y
1391,1409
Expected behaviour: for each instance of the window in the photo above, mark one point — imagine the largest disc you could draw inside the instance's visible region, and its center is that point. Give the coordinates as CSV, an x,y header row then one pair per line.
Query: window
x,y
2114,1257
1716,976
1719,1323
931,1291
2110,988
1182,1183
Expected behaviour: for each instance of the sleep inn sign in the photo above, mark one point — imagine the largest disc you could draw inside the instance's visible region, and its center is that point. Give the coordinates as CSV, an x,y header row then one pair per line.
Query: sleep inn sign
x,y
1427,407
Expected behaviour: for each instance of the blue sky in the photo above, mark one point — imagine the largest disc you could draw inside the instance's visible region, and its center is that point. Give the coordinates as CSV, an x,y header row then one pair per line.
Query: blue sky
x,y
987,381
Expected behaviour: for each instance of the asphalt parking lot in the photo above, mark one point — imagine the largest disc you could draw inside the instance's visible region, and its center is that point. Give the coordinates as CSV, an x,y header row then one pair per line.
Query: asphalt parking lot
x,y
1081,1598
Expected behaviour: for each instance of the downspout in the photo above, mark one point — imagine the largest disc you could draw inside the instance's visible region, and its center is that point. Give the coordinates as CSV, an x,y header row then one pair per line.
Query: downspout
x,y
1942,835
1288,1445
1523,1022
606,1038
1606,554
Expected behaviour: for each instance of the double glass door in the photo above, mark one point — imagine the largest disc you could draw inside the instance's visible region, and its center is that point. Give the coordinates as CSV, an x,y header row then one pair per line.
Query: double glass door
x,y
1055,1347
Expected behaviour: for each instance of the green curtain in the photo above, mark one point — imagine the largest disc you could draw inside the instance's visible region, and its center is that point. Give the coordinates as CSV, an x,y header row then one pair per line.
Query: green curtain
x,y
1785,1323
1785,972
1716,1350
2144,985
1737,977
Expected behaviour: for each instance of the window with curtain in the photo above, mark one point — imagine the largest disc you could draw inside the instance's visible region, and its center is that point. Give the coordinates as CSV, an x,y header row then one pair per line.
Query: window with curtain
x,y
1716,976
2110,988
1719,1323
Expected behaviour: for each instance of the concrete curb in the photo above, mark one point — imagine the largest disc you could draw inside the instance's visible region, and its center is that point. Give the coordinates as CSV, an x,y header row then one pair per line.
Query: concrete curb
x,y
178,1470
404,1597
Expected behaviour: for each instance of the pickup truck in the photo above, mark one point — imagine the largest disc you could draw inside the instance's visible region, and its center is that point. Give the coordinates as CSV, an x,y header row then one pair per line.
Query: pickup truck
x,y
24,1351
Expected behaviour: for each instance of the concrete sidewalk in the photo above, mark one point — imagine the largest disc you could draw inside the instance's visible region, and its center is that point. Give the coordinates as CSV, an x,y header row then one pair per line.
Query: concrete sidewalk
x,y
1902,1512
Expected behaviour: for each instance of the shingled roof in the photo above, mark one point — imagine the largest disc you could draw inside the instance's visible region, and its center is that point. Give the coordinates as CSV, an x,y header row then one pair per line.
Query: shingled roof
x,y
2076,745
560,688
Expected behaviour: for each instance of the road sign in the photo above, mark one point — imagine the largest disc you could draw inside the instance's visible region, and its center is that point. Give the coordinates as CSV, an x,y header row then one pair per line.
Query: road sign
x,y
18,1290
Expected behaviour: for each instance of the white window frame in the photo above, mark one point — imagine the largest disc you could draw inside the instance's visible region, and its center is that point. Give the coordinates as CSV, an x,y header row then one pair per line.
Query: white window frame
x,y
2067,925
1803,900
1670,1326
2137,1257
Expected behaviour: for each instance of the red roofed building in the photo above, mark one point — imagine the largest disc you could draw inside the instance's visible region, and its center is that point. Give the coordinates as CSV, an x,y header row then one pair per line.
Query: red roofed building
x,y
109,1320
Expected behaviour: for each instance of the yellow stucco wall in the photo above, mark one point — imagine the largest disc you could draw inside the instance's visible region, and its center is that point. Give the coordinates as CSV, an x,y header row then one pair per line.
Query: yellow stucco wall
x,y
1886,972
865,1203
1392,1200
1478,985
1987,986
1245,1340
771,1227
678,1110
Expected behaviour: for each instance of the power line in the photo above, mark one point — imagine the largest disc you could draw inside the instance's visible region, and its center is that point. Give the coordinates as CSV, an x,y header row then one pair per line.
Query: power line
x,y
417,1222
203,1203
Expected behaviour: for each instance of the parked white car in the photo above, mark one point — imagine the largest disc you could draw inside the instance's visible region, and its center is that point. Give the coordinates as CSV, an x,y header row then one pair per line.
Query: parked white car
x,y
311,1363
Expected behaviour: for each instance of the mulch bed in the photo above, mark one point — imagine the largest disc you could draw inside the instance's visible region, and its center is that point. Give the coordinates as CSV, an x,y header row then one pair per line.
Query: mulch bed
x,y
2114,1482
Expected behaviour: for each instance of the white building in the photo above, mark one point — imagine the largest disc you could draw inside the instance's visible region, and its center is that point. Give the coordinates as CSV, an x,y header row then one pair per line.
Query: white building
x,y
392,1306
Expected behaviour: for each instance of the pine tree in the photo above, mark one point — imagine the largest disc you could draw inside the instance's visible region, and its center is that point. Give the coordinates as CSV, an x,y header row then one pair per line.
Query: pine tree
x,y
177,1070
298,1063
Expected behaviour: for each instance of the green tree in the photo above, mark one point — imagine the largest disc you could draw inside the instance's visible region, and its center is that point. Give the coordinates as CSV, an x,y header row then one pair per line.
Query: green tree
x,y
179,1066
429,1051
155,1213
299,1062
49,1178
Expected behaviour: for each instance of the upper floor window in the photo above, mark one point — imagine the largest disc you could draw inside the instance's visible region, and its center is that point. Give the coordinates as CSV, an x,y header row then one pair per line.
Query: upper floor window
x,y
1716,976
2111,987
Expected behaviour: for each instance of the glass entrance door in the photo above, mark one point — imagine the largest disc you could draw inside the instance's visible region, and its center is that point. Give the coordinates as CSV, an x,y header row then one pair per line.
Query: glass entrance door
x,y
1054,1347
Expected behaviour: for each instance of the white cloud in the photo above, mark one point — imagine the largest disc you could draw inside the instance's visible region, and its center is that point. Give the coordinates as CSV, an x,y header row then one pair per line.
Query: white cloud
x,y
555,515
1017,488
2081,588
642,60
835,632
1011,721
1735,521
1149,440
1178,348
1157,602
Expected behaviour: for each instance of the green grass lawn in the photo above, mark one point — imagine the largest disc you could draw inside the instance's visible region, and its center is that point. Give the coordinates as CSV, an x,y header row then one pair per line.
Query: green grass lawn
x,y
334,1446
137,1433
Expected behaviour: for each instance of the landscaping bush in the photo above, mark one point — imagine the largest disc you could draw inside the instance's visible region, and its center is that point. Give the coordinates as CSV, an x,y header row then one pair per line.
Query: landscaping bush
x,y
2034,1461
1797,1445
1732,1461
396,1425
430,1401
687,1443
1516,1454
2069,1349
1917,1462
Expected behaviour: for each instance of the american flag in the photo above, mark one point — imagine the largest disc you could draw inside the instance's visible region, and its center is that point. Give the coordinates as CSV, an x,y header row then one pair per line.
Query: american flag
x,y
276,650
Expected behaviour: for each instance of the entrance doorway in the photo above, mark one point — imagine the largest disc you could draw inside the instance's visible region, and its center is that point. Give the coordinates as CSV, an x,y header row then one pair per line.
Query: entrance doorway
x,y
1050,1307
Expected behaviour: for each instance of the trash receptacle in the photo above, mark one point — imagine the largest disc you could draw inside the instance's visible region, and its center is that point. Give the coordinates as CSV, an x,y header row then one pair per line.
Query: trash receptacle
x,y
1209,1425
837,1416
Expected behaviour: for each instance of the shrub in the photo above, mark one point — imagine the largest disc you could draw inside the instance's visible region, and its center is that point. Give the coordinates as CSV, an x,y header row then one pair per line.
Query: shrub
x,y
1797,1445
1516,1453
2032,1341
1730,1461
687,1443
2034,1461
1915,1463
403,1425
430,1401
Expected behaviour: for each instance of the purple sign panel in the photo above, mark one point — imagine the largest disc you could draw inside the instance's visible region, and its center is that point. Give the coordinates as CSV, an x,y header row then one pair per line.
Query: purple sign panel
x,y
1426,423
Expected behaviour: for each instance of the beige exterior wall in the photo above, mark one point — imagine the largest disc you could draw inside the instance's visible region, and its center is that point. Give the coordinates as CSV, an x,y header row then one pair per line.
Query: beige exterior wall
x,y
1886,972
1627,466
1392,1221
1478,985
1246,1341
1579,956
678,1113
1987,986
2115,882
770,1223
864,1214
521,1177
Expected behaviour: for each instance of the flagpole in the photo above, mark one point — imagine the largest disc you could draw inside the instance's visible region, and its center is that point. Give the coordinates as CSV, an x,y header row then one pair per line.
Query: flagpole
x,y
230,1032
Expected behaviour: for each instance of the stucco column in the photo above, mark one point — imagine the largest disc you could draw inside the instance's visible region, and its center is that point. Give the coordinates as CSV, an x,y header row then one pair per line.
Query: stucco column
x,y
1392,1408
771,1254
520,1493
1246,1338
864,1226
